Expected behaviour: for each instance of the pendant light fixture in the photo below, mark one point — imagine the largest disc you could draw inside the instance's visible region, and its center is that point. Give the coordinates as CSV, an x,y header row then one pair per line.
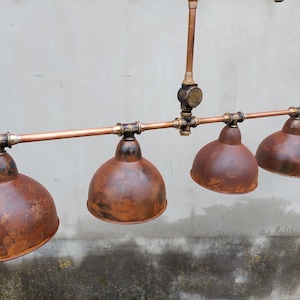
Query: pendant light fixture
x,y
226,165
27,212
280,152
127,189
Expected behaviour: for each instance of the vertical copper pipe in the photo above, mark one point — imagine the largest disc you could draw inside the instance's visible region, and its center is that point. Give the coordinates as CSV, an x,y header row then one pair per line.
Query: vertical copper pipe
x,y
188,79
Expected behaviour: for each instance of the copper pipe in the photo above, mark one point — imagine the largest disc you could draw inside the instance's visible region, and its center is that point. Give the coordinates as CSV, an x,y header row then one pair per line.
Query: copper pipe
x,y
225,117
210,120
188,79
161,125
44,136
12,139
6,140
267,114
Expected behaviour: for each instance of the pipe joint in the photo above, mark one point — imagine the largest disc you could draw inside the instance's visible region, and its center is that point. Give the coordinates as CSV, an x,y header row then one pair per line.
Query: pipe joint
x,y
5,141
185,128
232,119
294,112
128,130
193,4
186,123
193,121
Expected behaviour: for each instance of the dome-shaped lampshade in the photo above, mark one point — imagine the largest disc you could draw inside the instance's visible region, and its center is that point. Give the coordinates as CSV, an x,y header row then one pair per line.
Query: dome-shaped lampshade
x,y
280,151
127,189
225,165
27,212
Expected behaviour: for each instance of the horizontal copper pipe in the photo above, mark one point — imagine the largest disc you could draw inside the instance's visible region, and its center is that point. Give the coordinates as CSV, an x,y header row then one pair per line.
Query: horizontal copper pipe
x,y
268,114
161,125
12,139
225,117
44,136
210,120
55,135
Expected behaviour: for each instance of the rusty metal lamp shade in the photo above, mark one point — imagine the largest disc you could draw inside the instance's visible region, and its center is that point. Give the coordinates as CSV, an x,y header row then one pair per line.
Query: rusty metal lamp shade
x,y
280,151
27,212
226,165
127,189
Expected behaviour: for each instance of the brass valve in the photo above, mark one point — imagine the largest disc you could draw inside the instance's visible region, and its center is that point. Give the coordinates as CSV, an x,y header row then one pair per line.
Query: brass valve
x,y
190,96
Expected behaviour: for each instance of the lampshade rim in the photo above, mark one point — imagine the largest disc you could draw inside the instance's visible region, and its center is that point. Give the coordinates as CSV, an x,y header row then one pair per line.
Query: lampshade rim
x,y
129,222
278,172
32,249
222,191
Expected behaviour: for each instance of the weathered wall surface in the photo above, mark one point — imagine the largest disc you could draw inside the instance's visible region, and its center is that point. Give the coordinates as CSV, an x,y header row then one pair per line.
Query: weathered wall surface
x,y
81,64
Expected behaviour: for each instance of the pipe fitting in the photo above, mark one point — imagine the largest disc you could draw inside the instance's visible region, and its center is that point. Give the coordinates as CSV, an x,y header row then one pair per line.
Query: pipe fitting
x,y
294,112
193,122
185,128
129,129
190,96
232,119
5,141
193,4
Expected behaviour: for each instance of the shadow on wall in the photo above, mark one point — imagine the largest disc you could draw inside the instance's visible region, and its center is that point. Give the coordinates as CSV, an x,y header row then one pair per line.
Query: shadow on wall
x,y
203,267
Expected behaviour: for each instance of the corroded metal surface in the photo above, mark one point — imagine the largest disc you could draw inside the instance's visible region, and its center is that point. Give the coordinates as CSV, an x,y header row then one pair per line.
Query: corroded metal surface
x,y
127,188
280,151
28,216
226,165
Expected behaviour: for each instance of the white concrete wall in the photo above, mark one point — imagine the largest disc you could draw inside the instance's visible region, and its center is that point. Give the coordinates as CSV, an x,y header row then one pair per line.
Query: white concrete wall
x,y
73,64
